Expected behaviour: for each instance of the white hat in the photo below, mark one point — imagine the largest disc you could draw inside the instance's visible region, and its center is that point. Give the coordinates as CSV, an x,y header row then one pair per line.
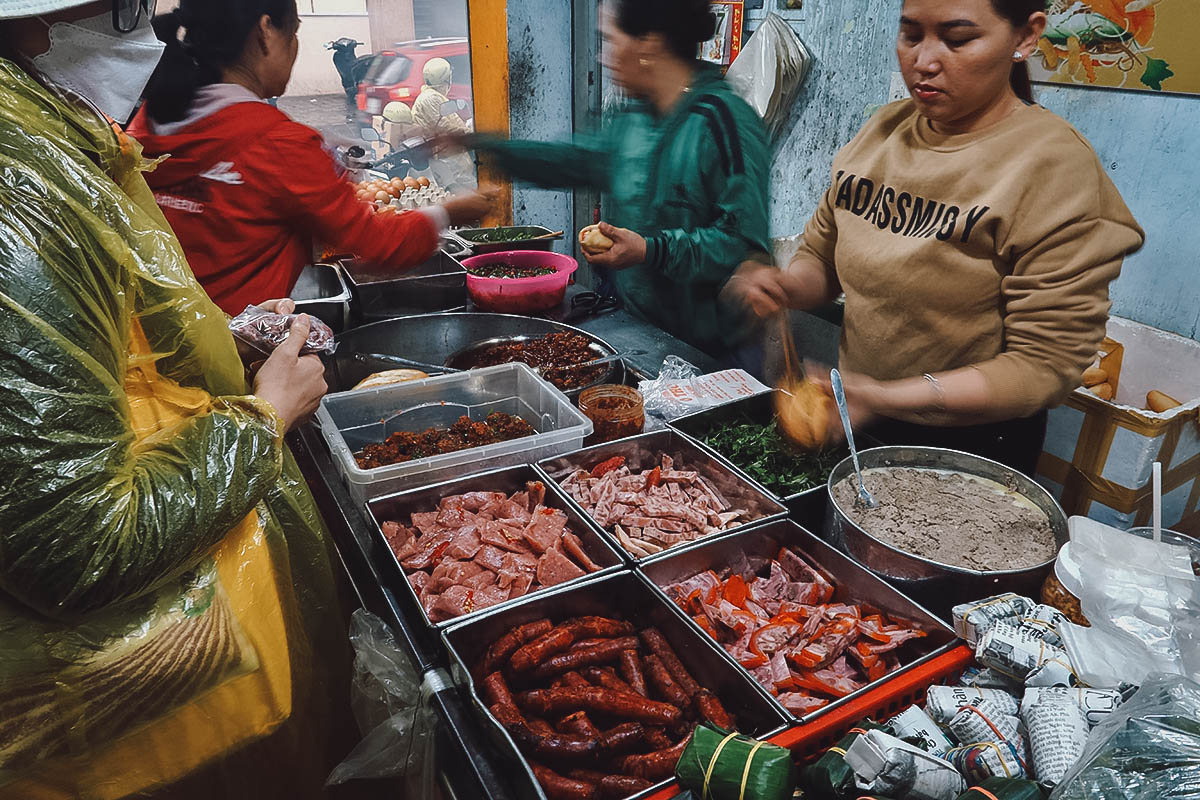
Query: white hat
x,y
11,9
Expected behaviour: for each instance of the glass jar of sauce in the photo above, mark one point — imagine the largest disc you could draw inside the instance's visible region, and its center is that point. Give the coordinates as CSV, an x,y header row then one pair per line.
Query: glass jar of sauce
x,y
616,411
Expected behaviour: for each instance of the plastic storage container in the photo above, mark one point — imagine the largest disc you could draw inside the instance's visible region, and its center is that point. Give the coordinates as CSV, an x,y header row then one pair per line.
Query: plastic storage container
x,y
350,420
520,295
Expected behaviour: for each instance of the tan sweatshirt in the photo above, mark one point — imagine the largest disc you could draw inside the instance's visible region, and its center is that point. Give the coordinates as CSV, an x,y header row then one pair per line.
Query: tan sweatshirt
x,y
993,249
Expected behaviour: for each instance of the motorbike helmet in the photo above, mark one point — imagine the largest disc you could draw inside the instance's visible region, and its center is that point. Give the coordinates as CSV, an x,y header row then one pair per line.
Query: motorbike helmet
x,y
437,72
398,112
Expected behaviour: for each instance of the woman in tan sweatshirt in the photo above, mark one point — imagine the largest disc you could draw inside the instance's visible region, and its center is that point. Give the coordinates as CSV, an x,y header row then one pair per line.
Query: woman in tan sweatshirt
x,y
974,235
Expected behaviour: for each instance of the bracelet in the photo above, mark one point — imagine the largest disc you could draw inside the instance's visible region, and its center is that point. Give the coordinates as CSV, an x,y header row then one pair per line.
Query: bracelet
x,y
937,390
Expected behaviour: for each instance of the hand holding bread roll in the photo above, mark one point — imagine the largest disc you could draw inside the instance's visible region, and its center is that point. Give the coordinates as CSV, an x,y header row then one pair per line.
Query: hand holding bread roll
x,y
592,241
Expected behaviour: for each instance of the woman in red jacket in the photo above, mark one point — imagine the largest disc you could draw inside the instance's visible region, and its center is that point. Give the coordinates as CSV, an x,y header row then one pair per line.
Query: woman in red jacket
x,y
245,188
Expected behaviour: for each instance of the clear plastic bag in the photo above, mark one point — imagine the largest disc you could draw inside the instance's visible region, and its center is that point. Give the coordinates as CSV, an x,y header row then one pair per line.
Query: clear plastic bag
x,y
1148,749
680,389
391,705
265,330
770,70
1141,598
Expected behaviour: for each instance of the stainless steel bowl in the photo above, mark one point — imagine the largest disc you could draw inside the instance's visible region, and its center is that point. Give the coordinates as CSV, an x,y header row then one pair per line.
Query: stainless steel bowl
x,y
939,586
321,291
433,338
462,359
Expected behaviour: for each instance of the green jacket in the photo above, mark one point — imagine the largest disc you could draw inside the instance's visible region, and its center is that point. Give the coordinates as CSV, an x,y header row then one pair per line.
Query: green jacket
x,y
694,183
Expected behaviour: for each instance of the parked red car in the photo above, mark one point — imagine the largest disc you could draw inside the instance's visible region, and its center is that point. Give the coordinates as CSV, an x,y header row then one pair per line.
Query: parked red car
x,y
398,73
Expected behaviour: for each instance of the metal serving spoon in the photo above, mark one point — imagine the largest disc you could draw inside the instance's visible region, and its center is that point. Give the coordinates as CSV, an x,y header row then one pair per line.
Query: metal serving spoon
x,y
864,498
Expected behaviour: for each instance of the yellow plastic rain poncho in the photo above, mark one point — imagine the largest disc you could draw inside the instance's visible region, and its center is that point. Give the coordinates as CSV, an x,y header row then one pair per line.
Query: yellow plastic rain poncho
x,y
165,583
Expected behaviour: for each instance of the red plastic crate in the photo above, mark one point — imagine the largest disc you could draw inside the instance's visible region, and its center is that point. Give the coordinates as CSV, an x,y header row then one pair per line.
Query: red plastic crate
x,y
807,740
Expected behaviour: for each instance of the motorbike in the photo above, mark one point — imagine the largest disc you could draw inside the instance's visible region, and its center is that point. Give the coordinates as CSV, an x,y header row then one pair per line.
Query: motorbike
x,y
413,154
352,69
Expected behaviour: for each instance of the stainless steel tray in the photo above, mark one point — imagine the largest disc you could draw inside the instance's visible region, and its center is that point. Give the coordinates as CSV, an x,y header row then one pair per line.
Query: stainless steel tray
x,y
629,595
852,582
644,451
807,507
482,248
400,505
322,292
433,338
438,284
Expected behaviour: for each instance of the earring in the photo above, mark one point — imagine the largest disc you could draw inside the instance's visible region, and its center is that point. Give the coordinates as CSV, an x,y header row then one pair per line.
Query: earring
x,y
1018,56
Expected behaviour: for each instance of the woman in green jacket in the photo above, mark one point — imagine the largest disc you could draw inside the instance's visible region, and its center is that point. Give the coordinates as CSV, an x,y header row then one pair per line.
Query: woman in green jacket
x,y
683,165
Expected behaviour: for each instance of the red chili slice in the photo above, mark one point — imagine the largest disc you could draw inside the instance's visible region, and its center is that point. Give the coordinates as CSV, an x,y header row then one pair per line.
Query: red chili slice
x,y
655,477
736,591
607,466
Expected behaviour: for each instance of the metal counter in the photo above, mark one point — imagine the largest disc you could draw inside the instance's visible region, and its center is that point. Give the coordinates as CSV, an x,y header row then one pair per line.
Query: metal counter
x,y
467,759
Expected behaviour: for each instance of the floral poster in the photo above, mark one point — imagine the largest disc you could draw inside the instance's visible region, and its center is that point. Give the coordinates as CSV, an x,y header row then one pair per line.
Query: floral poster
x,y
1149,45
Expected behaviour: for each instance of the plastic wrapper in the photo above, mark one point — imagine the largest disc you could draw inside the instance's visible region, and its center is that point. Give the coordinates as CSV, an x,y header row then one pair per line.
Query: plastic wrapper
x,y
265,330
680,389
1140,597
1148,749
1058,731
972,620
882,763
391,706
1096,703
160,554
978,762
745,769
914,725
943,702
1016,652
1004,789
770,70
830,776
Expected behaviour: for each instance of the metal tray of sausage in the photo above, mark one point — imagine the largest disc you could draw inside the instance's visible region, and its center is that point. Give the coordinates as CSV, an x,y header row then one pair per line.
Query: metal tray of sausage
x,y
401,505
644,452
853,583
626,595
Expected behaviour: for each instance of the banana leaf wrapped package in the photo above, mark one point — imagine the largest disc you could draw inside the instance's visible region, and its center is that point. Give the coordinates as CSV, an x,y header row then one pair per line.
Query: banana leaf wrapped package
x,y
722,765
830,777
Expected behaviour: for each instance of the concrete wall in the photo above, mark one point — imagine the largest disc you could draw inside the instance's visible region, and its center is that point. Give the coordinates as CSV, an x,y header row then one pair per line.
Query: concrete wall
x,y
1147,141
539,57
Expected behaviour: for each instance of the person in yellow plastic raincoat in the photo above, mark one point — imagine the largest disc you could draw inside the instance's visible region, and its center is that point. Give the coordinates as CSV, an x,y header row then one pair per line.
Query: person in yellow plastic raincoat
x,y
452,170
167,606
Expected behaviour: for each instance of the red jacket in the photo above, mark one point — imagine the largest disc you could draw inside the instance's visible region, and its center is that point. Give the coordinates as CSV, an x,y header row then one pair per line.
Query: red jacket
x,y
247,190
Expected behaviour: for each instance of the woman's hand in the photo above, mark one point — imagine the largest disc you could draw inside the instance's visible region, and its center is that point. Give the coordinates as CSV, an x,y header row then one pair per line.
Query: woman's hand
x,y
284,305
757,287
293,384
628,249
865,396
472,206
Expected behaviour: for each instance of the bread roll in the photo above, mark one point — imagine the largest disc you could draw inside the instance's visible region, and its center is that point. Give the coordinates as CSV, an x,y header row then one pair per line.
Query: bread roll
x,y
592,241
806,416
1094,376
1157,401
390,376
1103,390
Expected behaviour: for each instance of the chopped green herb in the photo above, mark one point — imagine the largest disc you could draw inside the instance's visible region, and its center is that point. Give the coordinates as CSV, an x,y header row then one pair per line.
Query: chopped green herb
x,y
762,453
506,270
494,235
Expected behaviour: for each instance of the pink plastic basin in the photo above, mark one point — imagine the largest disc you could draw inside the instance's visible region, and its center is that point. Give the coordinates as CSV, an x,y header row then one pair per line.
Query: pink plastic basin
x,y
520,295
